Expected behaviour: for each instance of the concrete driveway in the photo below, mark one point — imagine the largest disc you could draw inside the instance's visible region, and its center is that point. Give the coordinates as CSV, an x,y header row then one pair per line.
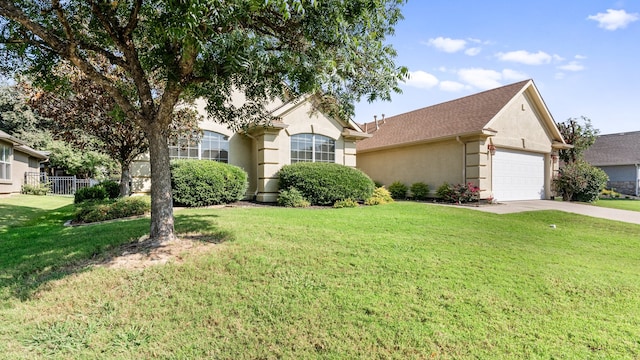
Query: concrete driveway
x,y
576,208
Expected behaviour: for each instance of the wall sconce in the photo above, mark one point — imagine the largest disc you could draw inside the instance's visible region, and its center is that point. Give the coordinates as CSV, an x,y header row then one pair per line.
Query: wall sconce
x,y
554,158
492,149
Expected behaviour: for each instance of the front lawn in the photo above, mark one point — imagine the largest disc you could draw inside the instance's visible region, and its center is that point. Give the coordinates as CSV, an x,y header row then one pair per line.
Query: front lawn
x,y
405,280
622,204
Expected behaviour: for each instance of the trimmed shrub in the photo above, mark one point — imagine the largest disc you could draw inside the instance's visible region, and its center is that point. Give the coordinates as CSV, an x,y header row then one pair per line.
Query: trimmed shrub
x,y
460,193
111,187
420,191
40,189
326,183
292,198
380,196
96,211
346,203
579,181
444,192
205,182
398,190
94,193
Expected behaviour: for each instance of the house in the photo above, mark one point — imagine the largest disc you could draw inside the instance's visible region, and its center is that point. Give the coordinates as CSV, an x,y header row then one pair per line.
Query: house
x,y
16,159
300,133
619,156
504,141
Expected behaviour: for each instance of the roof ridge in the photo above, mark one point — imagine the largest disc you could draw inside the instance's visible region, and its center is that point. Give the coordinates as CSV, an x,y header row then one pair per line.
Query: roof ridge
x,y
453,100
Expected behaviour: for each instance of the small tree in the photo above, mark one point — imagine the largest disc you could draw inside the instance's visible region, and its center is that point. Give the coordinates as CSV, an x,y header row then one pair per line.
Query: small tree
x,y
579,181
581,136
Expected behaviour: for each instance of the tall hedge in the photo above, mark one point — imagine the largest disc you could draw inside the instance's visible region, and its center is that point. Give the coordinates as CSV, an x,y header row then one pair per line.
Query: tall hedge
x,y
206,182
326,183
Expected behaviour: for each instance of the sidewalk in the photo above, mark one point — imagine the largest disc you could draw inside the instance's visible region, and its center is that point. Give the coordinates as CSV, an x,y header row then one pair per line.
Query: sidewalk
x,y
576,208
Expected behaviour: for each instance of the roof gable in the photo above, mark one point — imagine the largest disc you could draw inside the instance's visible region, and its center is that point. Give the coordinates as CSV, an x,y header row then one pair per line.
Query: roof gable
x,y
469,115
615,149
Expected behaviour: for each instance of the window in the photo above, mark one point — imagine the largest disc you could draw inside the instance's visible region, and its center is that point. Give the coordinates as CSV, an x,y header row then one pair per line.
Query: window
x,y
5,162
213,146
312,148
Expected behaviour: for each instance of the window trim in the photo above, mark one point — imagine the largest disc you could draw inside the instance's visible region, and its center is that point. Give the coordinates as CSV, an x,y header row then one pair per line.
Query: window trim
x,y
212,137
315,138
6,157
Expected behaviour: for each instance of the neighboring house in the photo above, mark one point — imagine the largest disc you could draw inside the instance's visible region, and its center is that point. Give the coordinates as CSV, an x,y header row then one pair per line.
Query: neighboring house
x,y
301,133
504,141
16,159
619,156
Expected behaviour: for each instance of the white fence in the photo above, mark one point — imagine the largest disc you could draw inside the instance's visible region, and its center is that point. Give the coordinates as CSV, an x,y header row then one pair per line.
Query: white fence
x,y
59,185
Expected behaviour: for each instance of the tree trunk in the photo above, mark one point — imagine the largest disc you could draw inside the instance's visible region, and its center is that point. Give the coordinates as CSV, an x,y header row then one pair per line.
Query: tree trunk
x,y
162,228
125,180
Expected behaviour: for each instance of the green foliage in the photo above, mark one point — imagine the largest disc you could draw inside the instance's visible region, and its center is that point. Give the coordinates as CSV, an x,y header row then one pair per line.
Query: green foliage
x,y
40,189
111,187
380,196
580,136
610,194
398,190
579,181
292,198
326,183
205,182
419,191
346,203
459,193
94,211
90,193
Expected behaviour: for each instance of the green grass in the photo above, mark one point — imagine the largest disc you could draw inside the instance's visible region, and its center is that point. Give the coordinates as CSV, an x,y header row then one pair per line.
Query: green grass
x,y
633,205
404,280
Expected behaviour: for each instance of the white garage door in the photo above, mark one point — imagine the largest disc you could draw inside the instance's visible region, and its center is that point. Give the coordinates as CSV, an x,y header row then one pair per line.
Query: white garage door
x,y
518,175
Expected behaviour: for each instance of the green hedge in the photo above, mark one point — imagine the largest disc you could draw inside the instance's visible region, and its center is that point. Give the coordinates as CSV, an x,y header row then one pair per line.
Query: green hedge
x,y
205,182
326,183
94,211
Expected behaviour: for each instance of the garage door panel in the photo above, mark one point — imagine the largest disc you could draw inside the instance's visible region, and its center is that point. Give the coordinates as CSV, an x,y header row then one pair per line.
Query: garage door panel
x,y
518,175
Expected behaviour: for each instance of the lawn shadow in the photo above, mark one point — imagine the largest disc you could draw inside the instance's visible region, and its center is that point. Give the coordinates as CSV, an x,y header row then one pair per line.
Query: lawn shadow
x,y
33,256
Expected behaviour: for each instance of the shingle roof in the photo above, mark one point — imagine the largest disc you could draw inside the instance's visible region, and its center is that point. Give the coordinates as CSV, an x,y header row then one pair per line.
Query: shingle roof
x,y
21,146
615,149
456,117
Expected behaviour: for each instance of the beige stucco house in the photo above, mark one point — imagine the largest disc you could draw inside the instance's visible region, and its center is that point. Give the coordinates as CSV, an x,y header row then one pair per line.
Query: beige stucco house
x,y
300,133
504,141
16,159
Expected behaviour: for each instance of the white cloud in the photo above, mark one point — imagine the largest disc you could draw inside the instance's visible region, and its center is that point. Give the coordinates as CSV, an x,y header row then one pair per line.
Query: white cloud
x,y
525,57
421,79
513,75
559,76
487,79
614,19
451,86
447,44
572,66
473,51
580,57
481,78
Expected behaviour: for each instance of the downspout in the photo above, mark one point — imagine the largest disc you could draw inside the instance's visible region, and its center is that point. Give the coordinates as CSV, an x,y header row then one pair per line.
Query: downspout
x,y
464,160
637,179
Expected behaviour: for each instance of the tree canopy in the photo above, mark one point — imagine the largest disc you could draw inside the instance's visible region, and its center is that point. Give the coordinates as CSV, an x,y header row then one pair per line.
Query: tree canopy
x,y
581,136
175,49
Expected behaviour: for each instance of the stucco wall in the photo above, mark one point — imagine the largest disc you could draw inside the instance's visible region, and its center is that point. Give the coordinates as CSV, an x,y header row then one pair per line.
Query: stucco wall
x,y
19,166
433,163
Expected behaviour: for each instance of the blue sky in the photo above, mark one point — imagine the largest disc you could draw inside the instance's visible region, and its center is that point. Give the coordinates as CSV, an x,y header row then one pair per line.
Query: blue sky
x,y
583,55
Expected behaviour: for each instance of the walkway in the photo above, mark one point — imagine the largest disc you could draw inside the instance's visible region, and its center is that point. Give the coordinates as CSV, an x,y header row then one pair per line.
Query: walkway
x,y
576,208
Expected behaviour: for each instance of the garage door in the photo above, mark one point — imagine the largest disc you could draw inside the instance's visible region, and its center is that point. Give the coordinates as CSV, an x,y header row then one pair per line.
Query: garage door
x,y
518,175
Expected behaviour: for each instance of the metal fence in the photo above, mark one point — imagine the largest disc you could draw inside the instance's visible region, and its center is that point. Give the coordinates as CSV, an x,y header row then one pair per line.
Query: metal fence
x,y
58,185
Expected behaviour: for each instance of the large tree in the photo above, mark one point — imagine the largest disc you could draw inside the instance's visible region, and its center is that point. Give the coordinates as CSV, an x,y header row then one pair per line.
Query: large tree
x,y
175,48
83,114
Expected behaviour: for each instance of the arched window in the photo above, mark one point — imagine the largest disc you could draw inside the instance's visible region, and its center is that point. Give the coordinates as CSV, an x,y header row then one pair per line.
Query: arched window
x,y
213,146
312,148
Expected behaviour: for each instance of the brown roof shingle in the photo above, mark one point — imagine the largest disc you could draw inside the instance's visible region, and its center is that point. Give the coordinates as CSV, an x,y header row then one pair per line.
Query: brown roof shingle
x,y
615,149
461,116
